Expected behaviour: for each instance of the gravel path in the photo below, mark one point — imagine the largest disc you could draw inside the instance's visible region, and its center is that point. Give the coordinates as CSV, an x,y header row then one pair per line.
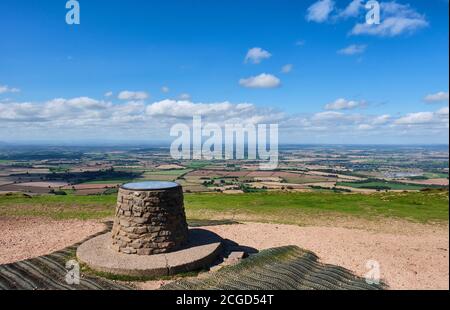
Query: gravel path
x,y
415,260
414,256
23,238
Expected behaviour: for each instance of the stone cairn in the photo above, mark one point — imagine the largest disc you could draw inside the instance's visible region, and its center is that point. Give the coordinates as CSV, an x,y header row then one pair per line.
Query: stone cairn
x,y
149,221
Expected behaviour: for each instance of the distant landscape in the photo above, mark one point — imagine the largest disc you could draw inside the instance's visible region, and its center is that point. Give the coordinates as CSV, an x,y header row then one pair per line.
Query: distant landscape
x,y
408,182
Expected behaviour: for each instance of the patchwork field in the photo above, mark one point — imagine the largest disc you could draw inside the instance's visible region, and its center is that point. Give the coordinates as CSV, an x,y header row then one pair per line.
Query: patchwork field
x,y
383,185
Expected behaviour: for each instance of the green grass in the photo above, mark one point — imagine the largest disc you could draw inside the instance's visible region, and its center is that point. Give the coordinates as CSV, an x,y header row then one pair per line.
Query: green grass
x,y
291,207
432,175
110,181
283,207
197,164
125,278
175,172
391,185
58,207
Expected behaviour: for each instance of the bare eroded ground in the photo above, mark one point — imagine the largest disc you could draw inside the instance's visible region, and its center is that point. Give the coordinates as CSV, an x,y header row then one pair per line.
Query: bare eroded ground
x,y
22,238
411,256
414,258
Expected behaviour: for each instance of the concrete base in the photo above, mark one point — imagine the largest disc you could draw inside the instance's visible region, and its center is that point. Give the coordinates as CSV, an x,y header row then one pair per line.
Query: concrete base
x,y
202,250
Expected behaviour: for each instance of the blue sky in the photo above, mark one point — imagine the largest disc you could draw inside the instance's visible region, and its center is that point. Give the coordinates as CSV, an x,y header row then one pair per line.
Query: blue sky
x,y
138,64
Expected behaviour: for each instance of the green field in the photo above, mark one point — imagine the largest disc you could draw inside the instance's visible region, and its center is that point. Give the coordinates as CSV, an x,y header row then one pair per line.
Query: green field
x,y
391,185
109,181
175,172
58,207
286,207
268,207
431,175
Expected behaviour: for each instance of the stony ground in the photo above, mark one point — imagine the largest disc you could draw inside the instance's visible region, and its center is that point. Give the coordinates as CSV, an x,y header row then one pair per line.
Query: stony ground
x,y
411,256
23,238
417,259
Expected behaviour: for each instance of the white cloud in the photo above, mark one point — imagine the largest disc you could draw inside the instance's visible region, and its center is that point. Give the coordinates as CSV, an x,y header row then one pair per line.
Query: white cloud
x,y
6,89
325,116
183,109
58,109
365,127
344,104
352,10
263,80
396,19
185,96
108,94
165,89
437,97
287,68
415,118
353,49
85,112
256,55
320,11
84,117
382,119
132,95
443,112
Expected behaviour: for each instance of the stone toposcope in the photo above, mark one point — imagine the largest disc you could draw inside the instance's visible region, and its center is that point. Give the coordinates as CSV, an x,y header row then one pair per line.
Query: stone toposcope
x,y
150,235
149,218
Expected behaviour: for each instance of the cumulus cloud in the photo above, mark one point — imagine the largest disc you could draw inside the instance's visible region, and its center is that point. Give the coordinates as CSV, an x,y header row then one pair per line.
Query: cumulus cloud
x,y
353,49
108,94
287,68
396,19
216,111
187,109
443,112
415,118
352,10
256,55
185,96
263,80
382,119
326,116
6,89
344,104
84,116
437,97
365,127
331,120
320,11
56,109
132,95
165,89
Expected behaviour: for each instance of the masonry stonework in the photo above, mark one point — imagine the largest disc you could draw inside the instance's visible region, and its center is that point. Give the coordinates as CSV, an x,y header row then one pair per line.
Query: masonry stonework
x,y
149,221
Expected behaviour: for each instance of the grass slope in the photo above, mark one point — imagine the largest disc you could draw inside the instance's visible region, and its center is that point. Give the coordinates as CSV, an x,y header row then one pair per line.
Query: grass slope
x,y
417,206
282,207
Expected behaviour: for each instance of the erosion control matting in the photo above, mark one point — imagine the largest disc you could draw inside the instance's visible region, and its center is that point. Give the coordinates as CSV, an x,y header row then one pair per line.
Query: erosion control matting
x,y
286,267
49,272
283,268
